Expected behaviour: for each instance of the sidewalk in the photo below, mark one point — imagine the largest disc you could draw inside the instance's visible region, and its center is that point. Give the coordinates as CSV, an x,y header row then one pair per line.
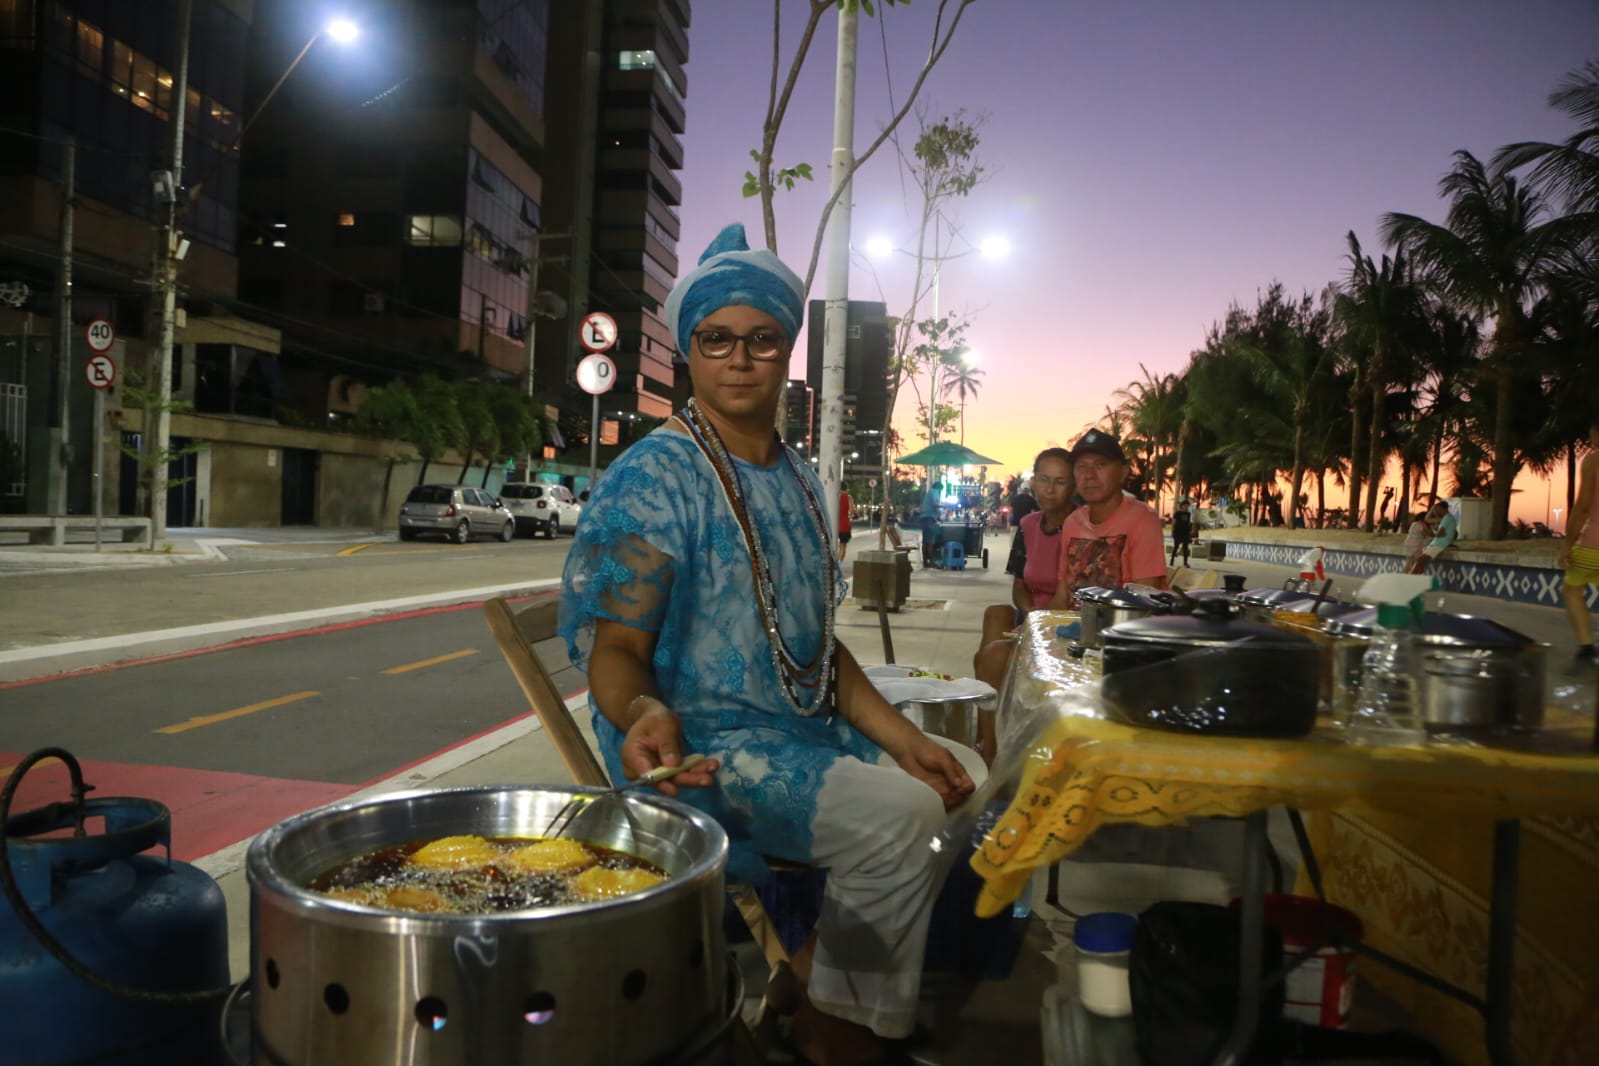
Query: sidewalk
x,y
937,629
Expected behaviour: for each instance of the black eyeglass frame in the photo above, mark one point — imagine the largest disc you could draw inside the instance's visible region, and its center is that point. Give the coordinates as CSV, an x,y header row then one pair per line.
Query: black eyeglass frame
x,y
782,348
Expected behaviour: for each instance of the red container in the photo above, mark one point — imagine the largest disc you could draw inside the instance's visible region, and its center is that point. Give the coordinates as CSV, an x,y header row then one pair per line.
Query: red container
x,y
1320,989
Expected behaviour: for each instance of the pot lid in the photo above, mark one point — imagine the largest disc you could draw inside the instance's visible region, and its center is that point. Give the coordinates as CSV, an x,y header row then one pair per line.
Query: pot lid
x,y
1126,597
1438,629
1203,631
1093,594
1273,597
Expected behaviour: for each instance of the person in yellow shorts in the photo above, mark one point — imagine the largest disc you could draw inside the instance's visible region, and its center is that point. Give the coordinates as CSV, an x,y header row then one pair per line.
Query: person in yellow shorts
x,y
1580,556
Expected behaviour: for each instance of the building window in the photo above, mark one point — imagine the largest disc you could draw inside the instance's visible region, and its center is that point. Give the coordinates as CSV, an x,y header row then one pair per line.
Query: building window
x,y
432,231
90,48
16,23
121,69
347,218
191,109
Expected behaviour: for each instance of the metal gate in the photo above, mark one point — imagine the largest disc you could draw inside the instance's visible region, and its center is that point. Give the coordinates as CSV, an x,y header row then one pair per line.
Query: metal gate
x,y
13,439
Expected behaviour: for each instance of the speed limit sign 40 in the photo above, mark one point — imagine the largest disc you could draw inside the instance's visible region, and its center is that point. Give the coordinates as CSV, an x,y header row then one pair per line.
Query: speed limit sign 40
x,y
100,334
596,374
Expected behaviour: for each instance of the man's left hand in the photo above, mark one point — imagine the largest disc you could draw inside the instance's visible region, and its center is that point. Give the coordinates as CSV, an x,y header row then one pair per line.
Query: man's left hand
x,y
929,761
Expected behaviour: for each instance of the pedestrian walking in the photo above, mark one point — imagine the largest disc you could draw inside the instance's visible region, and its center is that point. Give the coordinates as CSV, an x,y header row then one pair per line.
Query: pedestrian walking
x,y
1579,557
1182,532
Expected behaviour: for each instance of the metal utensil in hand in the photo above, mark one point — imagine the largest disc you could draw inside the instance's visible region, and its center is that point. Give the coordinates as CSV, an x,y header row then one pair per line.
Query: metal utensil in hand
x,y
562,822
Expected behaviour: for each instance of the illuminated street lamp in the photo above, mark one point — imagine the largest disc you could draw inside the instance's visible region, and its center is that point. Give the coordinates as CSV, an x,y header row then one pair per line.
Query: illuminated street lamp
x,y
171,248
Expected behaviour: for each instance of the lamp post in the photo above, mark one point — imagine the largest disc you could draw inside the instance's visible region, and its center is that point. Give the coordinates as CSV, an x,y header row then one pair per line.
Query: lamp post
x,y
171,248
535,242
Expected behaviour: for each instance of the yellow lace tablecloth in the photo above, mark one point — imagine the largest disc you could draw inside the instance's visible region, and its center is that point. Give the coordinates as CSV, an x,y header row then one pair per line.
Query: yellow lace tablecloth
x,y
1082,771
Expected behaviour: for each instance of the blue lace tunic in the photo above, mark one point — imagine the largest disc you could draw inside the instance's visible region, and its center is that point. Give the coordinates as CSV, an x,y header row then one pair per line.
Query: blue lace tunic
x,y
659,549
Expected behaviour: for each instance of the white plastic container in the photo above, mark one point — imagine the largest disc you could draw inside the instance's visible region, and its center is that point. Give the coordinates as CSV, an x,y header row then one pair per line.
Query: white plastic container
x,y
1104,945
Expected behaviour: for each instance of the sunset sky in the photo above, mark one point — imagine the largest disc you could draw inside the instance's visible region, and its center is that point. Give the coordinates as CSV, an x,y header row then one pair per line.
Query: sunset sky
x,y
1151,162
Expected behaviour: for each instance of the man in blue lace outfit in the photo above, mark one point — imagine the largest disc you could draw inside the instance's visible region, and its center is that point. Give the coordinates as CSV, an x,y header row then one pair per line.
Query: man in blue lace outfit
x,y
699,596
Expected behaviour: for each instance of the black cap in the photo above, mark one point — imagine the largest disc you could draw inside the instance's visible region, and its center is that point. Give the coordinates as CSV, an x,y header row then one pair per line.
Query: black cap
x,y
1096,443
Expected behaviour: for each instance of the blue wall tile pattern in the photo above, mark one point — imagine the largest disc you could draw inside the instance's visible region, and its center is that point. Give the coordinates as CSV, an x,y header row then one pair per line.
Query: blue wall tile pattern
x,y
1519,584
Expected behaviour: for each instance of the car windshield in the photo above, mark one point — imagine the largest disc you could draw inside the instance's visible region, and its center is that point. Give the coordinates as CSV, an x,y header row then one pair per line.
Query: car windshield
x,y
429,494
521,492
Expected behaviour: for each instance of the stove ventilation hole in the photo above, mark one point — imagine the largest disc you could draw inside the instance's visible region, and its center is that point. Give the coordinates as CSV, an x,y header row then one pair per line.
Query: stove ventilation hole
x,y
633,984
539,1008
272,975
337,999
431,1013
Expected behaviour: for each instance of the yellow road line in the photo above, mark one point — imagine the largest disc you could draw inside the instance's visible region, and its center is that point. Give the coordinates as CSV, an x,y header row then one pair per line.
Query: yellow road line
x,y
352,549
408,667
237,712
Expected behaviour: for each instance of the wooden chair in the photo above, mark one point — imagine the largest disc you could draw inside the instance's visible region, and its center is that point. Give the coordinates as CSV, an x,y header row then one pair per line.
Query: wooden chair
x,y
519,633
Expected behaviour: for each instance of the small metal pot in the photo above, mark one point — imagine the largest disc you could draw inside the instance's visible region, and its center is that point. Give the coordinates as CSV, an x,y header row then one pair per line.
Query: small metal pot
x,y
1258,604
1478,676
954,719
1103,608
1211,672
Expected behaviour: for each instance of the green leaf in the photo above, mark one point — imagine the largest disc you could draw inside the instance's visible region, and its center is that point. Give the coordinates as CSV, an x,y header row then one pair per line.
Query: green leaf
x,y
804,171
751,186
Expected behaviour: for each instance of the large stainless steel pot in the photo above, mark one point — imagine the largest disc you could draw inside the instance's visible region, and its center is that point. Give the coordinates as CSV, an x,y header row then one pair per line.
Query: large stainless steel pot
x,y
1478,676
1210,672
634,980
1103,608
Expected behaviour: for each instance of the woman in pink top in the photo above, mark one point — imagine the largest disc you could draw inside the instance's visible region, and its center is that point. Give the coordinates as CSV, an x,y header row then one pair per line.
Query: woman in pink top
x,y
1034,564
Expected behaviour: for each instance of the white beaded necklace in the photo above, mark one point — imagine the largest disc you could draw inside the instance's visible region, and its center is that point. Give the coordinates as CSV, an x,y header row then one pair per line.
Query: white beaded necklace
x,y
795,677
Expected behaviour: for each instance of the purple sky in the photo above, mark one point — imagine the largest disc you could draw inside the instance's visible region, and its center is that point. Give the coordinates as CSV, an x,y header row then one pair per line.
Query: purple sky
x,y
1152,162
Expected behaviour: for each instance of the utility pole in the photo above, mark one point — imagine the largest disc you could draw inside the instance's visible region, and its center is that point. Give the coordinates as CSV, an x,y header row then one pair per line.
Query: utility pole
x,y
158,411
836,317
535,244
59,458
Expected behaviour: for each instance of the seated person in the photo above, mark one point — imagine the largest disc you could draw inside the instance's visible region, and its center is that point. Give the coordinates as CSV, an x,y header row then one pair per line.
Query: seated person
x,y
1035,565
699,596
1113,539
1416,538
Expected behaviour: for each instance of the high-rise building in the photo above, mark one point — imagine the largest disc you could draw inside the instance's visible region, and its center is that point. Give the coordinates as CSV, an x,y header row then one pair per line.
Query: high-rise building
x,y
865,382
610,209
101,72
392,193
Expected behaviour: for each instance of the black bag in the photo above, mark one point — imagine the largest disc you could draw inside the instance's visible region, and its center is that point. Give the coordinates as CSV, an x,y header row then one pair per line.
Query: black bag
x,y
1184,983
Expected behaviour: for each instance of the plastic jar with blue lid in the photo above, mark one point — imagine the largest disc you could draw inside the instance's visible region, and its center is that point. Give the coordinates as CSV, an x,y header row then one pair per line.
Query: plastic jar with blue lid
x,y
1104,944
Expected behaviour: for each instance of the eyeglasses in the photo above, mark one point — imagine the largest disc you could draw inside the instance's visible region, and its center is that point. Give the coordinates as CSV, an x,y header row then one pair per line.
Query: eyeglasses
x,y
763,346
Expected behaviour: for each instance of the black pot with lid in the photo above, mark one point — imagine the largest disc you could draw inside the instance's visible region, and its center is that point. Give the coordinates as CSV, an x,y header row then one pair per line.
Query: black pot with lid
x,y
1210,672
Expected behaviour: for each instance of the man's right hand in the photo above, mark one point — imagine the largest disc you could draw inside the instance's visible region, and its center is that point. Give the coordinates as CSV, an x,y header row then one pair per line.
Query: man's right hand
x,y
656,739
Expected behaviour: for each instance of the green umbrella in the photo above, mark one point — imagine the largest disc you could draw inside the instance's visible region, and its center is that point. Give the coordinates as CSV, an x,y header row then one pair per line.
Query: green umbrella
x,y
946,453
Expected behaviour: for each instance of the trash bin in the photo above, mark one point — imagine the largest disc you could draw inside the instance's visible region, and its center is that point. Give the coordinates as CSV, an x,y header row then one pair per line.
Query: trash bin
x,y
880,571
1215,549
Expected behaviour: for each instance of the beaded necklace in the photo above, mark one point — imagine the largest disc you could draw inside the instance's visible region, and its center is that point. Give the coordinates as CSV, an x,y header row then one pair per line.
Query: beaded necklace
x,y
804,685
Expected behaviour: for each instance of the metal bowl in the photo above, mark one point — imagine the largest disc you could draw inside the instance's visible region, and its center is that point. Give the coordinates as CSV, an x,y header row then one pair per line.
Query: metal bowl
x,y
624,981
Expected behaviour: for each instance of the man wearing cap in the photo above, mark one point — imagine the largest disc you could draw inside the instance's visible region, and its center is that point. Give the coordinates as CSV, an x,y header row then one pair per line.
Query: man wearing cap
x,y
699,597
1113,539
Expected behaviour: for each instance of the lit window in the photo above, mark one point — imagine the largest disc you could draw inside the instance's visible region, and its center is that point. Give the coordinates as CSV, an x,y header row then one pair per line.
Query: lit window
x,y
433,231
91,48
346,219
121,69
280,244
639,59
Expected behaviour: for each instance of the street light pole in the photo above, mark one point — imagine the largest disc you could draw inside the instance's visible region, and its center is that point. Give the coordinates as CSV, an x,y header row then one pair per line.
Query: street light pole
x,y
536,243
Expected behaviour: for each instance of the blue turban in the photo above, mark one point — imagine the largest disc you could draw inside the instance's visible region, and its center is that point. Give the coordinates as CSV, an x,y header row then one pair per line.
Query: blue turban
x,y
730,275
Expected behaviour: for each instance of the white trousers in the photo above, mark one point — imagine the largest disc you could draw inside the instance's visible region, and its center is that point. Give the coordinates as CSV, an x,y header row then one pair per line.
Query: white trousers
x,y
873,832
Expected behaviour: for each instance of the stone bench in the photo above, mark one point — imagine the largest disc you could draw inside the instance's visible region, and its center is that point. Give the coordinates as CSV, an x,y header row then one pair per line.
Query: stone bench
x,y
46,529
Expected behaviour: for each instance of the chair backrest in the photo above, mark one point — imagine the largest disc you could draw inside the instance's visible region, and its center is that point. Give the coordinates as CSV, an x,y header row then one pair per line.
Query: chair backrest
x,y
517,632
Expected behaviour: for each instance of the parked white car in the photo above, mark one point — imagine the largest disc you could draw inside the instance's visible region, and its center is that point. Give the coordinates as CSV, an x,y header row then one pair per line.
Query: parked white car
x,y
541,508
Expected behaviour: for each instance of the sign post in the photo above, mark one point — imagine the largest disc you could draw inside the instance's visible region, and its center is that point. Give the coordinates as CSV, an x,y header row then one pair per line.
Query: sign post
x,y
101,371
596,374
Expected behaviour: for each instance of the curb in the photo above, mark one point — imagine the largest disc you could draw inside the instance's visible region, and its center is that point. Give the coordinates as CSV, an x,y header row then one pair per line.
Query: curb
x,y
23,664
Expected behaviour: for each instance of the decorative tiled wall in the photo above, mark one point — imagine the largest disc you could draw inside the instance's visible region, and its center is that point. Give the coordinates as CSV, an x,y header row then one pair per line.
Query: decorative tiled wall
x,y
1520,584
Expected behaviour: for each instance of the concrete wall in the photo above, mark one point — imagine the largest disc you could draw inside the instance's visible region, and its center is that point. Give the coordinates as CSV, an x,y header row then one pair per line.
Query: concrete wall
x,y
349,491
246,486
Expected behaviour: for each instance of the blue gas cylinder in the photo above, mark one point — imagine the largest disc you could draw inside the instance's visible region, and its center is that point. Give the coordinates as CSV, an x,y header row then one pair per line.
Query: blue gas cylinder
x,y
141,921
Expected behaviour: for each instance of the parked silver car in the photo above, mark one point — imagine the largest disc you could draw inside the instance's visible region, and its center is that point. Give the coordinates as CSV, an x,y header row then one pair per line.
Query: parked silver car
x,y
454,511
541,508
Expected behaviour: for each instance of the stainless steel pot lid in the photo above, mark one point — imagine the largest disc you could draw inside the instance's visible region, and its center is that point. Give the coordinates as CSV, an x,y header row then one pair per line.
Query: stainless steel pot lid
x,y
1272,598
1093,594
1198,631
1438,630
1126,598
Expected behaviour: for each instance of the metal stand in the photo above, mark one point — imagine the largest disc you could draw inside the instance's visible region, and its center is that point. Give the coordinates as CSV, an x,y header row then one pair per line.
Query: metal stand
x,y
1251,937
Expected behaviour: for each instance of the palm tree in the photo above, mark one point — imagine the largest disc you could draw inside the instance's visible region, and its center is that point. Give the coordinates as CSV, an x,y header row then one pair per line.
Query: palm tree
x,y
965,382
1569,171
1493,256
1154,410
1381,311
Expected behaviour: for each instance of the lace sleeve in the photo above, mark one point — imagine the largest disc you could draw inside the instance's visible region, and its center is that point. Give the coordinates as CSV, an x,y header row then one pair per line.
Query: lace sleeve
x,y
623,560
